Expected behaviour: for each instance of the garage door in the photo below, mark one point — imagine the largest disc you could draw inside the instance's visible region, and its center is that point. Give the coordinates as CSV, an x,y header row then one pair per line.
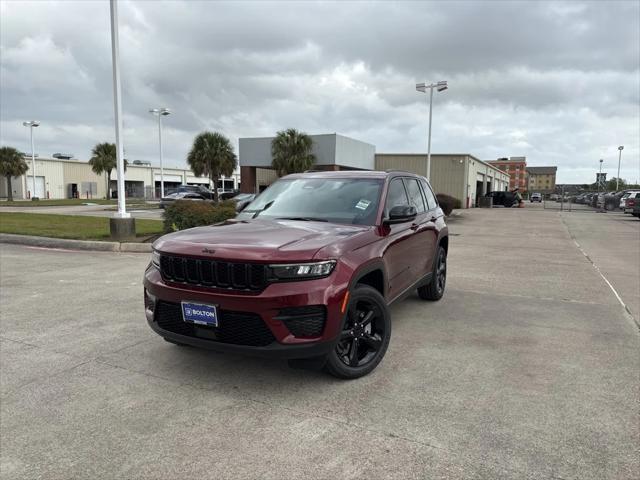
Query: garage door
x,y
39,186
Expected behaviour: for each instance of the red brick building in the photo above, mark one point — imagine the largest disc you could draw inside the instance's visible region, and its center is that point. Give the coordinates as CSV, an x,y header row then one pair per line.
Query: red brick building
x,y
516,167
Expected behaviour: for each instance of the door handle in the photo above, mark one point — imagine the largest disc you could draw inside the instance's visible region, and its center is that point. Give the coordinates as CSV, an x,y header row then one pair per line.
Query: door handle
x,y
433,219
414,226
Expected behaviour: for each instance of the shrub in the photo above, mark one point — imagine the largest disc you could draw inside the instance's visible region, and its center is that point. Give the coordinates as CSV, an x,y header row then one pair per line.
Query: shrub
x,y
188,214
448,203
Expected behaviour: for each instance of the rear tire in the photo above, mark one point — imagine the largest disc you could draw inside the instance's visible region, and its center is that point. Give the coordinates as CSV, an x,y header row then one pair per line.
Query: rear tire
x,y
435,289
364,336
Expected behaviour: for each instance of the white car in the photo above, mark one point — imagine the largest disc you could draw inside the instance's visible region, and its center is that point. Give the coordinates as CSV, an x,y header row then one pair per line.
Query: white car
x,y
628,201
535,197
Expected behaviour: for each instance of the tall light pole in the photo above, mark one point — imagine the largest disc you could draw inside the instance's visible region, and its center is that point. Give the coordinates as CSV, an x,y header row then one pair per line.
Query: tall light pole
x,y
422,87
117,104
620,148
160,112
31,124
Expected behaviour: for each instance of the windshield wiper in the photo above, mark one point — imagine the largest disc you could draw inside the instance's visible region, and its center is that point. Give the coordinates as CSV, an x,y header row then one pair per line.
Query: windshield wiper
x,y
304,219
258,212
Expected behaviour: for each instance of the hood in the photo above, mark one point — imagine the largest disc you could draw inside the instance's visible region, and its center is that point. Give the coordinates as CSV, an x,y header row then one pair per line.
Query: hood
x,y
263,240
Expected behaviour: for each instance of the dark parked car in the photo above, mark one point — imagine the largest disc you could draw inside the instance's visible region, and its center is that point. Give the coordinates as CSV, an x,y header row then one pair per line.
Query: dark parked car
x,y
170,199
242,200
506,199
307,271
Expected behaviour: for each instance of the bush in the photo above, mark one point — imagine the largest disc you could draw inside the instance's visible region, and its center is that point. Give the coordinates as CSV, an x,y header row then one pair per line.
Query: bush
x,y
188,214
448,203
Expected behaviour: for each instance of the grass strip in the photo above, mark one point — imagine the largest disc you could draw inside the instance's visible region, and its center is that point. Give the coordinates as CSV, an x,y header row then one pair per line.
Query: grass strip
x,y
70,226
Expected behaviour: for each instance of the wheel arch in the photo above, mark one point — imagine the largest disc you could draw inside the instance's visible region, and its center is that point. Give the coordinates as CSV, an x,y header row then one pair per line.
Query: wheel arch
x,y
374,275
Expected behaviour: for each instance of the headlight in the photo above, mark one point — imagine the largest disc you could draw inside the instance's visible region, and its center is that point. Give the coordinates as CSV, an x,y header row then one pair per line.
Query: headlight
x,y
155,259
302,270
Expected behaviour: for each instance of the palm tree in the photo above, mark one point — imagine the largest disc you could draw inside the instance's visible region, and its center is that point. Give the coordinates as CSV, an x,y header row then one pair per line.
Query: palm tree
x,y
12,164
212,155
104,160
291,152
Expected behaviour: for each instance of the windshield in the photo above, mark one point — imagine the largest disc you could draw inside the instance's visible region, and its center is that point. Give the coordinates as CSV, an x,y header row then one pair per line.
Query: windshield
x,y
339,200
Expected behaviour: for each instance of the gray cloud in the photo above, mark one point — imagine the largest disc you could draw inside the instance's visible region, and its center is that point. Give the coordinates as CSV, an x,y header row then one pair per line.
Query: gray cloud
x,y
558,82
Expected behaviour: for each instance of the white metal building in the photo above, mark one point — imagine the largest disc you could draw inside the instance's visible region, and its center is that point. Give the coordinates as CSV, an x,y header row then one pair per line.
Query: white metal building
x,y
61,178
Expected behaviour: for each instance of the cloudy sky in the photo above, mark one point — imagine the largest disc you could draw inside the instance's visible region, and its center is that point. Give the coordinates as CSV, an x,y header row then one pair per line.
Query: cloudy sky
x,y
558,82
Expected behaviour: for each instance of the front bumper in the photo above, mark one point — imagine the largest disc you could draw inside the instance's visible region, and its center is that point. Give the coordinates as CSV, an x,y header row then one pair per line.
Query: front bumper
x,y
329,292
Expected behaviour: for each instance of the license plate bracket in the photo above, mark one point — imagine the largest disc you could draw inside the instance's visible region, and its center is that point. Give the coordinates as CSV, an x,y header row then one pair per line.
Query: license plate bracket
x,y
200,314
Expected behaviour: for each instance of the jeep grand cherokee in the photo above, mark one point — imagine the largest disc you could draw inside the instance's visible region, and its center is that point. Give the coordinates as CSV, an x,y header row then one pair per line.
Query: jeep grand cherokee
x,y
306,271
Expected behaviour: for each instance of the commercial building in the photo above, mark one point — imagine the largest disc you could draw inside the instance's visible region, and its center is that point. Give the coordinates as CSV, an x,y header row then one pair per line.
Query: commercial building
x,y
542,179
516,167
332,152
68,178
462,176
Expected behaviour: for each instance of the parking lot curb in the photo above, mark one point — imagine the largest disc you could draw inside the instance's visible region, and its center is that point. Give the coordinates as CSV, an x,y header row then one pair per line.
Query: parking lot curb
x,y
94,245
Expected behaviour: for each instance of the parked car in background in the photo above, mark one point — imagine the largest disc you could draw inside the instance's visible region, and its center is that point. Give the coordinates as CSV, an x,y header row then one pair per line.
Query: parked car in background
x,y
629,201
307,273
243,199
170,199
535,197
198,189
506,199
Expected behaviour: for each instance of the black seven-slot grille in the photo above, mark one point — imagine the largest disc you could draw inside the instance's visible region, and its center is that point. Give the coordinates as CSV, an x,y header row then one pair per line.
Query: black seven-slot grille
x,y
307,321
211,273
238,328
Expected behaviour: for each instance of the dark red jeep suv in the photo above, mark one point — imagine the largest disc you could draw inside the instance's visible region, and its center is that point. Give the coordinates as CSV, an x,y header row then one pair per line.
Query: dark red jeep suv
x,y
305,272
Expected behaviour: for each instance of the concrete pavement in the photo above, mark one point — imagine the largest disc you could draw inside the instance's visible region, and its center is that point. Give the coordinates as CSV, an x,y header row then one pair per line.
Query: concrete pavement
x,y
528,368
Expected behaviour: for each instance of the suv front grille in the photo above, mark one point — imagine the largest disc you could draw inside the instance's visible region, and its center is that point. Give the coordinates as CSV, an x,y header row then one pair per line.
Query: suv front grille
x,y
307,321
210,273
237,328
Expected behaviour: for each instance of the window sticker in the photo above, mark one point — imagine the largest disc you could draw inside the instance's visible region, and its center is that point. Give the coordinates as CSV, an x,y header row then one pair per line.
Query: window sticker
x,y
363,204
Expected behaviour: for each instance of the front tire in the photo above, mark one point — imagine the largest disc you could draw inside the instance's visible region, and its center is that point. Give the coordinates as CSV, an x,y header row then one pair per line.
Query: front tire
x,y
364,337
435,289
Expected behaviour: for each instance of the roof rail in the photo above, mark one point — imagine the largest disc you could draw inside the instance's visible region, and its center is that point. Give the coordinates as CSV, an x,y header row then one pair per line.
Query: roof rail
x,y
312,171
390,170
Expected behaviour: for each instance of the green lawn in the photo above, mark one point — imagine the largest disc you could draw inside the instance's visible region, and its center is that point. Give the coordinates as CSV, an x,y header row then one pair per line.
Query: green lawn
x,y
69,226
66,202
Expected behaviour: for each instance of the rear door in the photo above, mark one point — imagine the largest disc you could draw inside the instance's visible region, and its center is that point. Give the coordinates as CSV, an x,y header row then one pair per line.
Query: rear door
x,y
424,241
433,213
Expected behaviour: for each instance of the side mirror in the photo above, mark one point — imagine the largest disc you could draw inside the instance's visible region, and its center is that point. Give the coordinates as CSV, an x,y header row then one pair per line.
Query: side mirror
x,y
401,214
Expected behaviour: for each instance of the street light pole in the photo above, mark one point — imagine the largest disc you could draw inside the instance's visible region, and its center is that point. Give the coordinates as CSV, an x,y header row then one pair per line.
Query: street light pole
x,y
117,103
160,112
422,87
31,124
620,148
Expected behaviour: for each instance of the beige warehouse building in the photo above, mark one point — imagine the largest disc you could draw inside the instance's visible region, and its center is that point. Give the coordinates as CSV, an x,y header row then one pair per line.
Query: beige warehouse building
x,y
462,175
62,178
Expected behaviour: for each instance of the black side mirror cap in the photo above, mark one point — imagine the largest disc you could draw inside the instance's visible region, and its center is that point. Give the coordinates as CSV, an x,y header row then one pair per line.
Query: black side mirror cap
x,y
401,214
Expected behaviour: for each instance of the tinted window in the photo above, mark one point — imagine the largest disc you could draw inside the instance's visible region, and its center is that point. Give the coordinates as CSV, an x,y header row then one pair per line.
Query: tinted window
x,y
415,195
396,195
431,199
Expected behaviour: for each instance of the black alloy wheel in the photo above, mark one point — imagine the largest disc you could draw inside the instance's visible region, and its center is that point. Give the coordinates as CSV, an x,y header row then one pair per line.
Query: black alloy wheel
x,y
365,335
435,289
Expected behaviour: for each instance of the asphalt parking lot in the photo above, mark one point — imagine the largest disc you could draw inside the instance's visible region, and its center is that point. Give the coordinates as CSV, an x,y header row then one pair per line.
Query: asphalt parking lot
x,y
528,368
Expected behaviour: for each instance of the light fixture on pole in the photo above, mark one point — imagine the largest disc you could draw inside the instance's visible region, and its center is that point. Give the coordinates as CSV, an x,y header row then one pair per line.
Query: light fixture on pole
x,y
422,87
620,148
31,124
160,112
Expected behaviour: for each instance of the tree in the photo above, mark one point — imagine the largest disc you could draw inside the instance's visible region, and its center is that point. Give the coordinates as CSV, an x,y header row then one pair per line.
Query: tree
x,y
12,164
291,152
212,155
104,160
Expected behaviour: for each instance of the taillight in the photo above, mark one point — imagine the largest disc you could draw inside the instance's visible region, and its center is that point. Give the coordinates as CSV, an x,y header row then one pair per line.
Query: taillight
x,y
630,203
